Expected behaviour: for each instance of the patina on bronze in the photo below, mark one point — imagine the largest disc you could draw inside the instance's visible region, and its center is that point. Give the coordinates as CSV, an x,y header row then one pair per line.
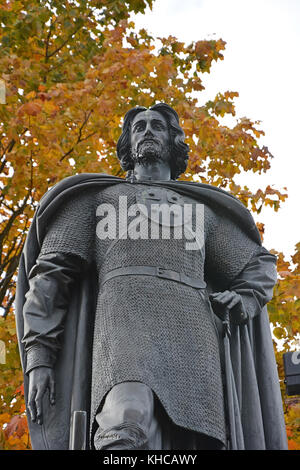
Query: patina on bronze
x,y
131,330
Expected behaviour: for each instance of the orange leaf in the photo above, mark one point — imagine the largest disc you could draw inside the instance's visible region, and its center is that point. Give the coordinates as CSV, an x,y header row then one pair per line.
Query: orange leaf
x,y
31,108
17,426
293,445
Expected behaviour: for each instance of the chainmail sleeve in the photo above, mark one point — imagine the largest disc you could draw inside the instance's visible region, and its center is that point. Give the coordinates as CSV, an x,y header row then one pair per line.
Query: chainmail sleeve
x,y
256,282
228,249
72,229
237,263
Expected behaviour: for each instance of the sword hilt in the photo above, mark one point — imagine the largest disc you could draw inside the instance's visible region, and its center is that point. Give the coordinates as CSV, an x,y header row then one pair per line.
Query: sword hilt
x,y
226,324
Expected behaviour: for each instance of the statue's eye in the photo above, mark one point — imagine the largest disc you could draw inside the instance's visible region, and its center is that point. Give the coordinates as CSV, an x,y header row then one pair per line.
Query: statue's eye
x,y
139,127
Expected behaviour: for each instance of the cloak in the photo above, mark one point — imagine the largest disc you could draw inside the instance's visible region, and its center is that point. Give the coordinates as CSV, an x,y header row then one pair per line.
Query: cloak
x,y
255,391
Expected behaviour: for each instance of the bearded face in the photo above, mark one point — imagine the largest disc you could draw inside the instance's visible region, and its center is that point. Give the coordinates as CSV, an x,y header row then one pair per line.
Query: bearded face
x,y
150,140
150,151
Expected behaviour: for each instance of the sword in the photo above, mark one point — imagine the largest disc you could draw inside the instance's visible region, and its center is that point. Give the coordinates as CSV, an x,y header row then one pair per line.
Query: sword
x,y
228,379
78,430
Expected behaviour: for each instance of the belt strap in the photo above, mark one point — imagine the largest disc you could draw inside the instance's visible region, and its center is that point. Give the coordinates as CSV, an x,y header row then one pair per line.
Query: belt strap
x,y
155,271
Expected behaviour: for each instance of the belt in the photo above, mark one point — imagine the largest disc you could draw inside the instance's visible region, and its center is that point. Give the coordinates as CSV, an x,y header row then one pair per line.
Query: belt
x,y
154,271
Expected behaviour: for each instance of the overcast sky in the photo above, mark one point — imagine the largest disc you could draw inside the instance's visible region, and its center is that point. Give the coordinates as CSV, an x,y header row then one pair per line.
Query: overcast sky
x,y
261,62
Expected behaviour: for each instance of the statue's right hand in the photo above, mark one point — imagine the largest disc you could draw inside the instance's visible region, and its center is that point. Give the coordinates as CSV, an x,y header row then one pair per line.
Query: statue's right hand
x,y
40,379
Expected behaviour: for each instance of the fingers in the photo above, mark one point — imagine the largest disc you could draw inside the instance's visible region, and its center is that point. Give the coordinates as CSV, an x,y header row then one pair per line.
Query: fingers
x,y
223,297
236,300
31,404
215,294
225,302
52,391
39,406
35,404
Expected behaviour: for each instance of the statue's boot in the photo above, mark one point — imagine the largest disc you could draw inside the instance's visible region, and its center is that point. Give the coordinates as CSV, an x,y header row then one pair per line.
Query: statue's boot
x,y
126,436
126,420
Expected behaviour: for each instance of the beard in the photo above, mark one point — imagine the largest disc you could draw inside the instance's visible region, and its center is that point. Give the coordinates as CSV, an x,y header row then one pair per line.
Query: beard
x,y
151,152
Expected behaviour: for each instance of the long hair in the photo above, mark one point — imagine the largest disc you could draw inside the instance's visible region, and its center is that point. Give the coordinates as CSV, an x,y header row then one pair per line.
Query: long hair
x,y
179,149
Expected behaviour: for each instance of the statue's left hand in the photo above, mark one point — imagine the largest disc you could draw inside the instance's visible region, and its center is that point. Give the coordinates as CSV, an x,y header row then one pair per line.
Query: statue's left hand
x,y
228,301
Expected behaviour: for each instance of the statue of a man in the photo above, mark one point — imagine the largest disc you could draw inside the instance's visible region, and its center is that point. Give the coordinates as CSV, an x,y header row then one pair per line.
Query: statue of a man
x,y
123,294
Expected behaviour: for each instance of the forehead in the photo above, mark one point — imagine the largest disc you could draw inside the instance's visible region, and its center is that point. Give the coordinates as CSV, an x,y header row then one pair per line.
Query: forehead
x,y
149,115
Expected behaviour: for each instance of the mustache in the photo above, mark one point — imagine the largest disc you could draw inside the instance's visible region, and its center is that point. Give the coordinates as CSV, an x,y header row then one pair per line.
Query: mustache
x,y
147,139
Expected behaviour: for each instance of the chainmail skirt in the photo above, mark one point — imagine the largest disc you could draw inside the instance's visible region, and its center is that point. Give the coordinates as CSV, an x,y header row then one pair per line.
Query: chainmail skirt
x,y
160,333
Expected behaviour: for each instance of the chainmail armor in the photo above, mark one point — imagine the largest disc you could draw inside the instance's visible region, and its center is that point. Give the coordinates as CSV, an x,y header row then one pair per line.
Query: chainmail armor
x,y
149,329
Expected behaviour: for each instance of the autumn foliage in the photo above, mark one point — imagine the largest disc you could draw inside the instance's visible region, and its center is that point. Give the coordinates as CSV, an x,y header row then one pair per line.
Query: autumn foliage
x,y
71,71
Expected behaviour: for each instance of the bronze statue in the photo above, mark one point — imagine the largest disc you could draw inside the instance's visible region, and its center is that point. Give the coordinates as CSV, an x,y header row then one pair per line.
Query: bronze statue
x,y
142,301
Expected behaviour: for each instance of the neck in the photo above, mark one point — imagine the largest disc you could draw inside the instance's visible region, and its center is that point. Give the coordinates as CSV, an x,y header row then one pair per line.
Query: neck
x,y
153,171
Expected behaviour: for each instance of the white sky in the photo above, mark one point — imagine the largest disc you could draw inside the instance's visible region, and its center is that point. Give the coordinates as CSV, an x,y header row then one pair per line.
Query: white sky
x,y
261,62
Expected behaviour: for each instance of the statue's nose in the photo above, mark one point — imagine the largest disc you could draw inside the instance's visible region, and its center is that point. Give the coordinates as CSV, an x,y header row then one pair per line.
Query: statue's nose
x,y
148,132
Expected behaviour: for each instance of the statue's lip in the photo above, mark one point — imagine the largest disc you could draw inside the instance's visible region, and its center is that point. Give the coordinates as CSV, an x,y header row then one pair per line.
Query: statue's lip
x,y
148,140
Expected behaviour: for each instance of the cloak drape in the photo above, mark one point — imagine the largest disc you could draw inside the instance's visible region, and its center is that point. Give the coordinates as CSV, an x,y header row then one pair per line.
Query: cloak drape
x,y
259,421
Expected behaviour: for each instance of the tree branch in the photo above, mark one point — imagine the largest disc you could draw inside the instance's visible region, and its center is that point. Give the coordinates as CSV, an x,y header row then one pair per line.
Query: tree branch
x,y
64,43
8,149
48,39
80,138
87,116
9,305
